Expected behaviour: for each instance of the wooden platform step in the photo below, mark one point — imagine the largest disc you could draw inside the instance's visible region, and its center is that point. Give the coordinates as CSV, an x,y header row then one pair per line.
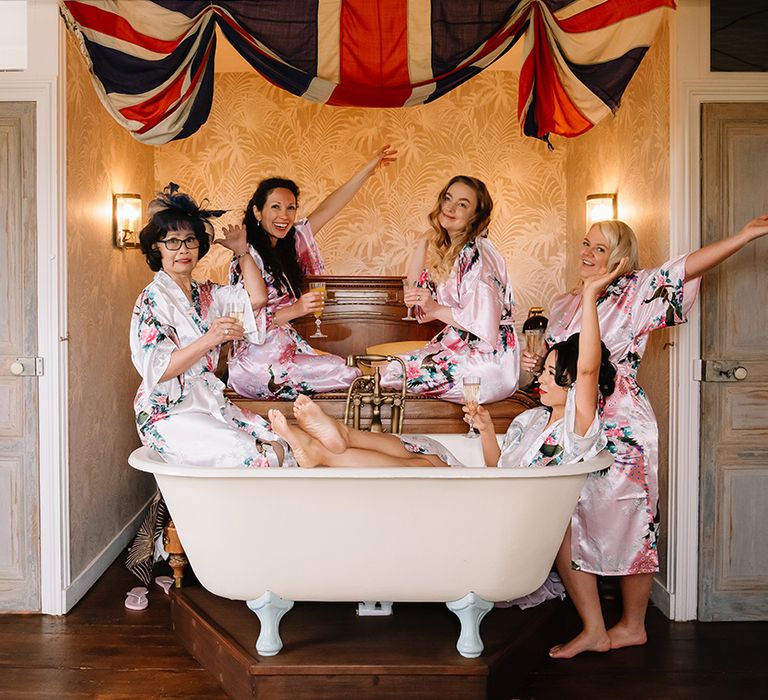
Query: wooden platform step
x,y
329,652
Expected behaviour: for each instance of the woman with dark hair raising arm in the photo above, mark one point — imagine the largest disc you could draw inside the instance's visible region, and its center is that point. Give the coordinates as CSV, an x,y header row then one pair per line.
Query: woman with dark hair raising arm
x,y
285,251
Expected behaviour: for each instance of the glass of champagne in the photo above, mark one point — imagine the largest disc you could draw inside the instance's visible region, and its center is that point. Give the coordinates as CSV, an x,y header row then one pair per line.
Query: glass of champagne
x,y
406,286
534,343
318,287
471,396
236,310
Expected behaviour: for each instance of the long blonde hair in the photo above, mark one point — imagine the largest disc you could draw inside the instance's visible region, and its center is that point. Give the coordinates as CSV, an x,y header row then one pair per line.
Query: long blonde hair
x,y
622,243
443,250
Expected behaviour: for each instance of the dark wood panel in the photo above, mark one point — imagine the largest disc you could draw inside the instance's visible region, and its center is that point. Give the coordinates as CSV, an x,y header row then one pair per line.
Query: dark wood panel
x,y
360,312
330,652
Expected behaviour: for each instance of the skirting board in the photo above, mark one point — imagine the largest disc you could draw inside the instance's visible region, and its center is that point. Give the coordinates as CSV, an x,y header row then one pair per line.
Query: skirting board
x,y
661,598
82,584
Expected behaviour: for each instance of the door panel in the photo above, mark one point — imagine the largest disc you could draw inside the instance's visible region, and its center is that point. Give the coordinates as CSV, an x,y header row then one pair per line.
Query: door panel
x,y
19,516
733,579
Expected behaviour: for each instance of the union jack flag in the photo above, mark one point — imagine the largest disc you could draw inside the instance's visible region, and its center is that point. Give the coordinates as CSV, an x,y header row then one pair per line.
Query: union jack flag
x,y
152,60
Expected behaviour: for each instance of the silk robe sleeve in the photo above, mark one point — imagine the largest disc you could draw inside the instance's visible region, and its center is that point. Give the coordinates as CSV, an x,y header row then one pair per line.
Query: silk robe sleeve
x,y
580,447
481,295
153,341
662,298
307,252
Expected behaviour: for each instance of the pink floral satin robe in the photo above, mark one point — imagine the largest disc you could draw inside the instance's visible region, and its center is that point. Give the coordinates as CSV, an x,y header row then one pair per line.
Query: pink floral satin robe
x,y
616,522
482,340
187,419
285,365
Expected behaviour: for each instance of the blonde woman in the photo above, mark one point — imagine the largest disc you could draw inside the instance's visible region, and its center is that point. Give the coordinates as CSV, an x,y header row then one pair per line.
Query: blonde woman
x,y
457,276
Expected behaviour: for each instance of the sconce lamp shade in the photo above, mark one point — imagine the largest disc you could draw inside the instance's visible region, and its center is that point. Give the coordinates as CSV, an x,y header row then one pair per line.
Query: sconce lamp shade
x,y
126,218
601,207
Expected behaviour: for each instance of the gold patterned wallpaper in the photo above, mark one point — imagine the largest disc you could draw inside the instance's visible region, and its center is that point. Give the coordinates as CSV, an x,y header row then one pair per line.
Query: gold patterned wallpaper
x,y
629,154
256,130
103,283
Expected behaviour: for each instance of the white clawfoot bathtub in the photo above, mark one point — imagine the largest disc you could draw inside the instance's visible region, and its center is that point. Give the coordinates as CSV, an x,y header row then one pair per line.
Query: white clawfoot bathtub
x,y
465,537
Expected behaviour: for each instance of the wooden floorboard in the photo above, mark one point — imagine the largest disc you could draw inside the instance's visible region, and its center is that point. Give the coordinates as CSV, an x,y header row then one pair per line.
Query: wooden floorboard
x,y
101,650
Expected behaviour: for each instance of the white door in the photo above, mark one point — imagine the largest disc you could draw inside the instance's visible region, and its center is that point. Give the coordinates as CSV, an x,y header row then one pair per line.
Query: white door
x,y
19,509
733,580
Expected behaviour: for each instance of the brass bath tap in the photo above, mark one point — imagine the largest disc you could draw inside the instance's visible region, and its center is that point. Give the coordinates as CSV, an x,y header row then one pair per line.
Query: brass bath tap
x,y
366,391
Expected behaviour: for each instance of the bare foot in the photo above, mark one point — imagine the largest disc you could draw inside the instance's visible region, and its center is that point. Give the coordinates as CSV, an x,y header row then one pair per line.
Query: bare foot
x,y
319,425
580,643
304,447
622,635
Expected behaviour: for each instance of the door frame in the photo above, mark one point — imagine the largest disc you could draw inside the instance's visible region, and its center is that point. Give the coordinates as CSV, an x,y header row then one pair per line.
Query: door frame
x,y
50,161
691,86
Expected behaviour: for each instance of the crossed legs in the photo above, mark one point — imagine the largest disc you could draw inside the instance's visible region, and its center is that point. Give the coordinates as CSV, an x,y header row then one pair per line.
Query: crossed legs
x,y
322,440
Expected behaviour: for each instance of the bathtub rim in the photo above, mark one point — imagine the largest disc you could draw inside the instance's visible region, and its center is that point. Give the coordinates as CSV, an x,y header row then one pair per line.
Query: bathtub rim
x,y
147,460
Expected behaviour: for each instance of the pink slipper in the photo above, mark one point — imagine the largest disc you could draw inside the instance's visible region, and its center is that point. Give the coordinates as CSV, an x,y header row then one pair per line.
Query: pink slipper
x,y
136,598
165,582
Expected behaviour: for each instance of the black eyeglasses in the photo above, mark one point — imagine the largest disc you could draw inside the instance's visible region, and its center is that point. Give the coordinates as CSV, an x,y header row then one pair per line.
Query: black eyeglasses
x,y
175,243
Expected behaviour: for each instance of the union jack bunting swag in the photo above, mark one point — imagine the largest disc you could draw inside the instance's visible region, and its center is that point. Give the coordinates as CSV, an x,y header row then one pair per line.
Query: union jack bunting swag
x,y
152,60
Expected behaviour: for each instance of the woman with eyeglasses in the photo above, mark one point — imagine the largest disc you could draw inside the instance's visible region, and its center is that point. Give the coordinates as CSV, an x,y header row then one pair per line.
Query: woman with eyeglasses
x,y
177,328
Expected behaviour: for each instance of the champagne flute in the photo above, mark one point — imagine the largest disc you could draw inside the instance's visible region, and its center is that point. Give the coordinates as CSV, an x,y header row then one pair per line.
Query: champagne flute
x,y
236,310
406,286
471,396
318,287
534,343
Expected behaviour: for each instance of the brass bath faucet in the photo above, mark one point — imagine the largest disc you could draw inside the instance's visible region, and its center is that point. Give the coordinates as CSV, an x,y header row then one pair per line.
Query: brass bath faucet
x,y
366,391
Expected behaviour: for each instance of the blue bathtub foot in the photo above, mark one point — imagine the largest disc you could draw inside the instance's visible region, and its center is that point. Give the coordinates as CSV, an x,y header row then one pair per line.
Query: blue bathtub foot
x,y
270,609
470,610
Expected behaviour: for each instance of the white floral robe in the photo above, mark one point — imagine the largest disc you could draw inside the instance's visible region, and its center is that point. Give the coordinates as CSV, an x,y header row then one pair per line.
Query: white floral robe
x,y
285,365
187,419
616,522
482,340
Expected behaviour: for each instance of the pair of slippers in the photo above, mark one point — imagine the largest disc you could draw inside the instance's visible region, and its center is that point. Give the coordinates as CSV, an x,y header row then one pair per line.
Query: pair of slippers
x,y
136,598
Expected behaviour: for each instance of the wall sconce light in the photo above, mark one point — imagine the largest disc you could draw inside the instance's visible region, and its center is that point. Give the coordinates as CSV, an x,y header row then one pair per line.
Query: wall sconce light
x,y
601,207
126,217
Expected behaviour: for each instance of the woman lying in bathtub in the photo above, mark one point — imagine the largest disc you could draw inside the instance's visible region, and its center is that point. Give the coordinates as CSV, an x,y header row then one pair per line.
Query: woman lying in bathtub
x,y
576,373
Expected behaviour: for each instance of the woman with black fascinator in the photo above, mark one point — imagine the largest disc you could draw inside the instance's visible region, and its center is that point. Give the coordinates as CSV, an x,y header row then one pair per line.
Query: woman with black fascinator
x,y
284,250
177,329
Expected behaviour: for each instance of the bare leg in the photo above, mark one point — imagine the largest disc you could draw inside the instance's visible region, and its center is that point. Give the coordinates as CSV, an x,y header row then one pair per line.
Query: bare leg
x,y
320,426
336,437
309,452
582,589
629,631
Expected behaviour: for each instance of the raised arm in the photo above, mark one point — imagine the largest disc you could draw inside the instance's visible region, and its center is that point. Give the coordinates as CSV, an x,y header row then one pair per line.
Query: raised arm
x,y
590,352
339,198
703,259
236,241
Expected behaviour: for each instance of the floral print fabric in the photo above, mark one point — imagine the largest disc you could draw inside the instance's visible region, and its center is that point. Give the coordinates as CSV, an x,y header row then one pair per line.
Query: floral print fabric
x,y
482,340
285,365
615,525
187,419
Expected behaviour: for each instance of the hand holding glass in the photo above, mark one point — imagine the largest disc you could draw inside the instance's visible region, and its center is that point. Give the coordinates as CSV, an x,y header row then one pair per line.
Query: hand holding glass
x,y
318,287
471,400
235,310
406,286
534,344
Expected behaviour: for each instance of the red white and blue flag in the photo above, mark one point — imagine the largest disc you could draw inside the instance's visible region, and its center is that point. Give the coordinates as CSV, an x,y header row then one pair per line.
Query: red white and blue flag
x,y
152,60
